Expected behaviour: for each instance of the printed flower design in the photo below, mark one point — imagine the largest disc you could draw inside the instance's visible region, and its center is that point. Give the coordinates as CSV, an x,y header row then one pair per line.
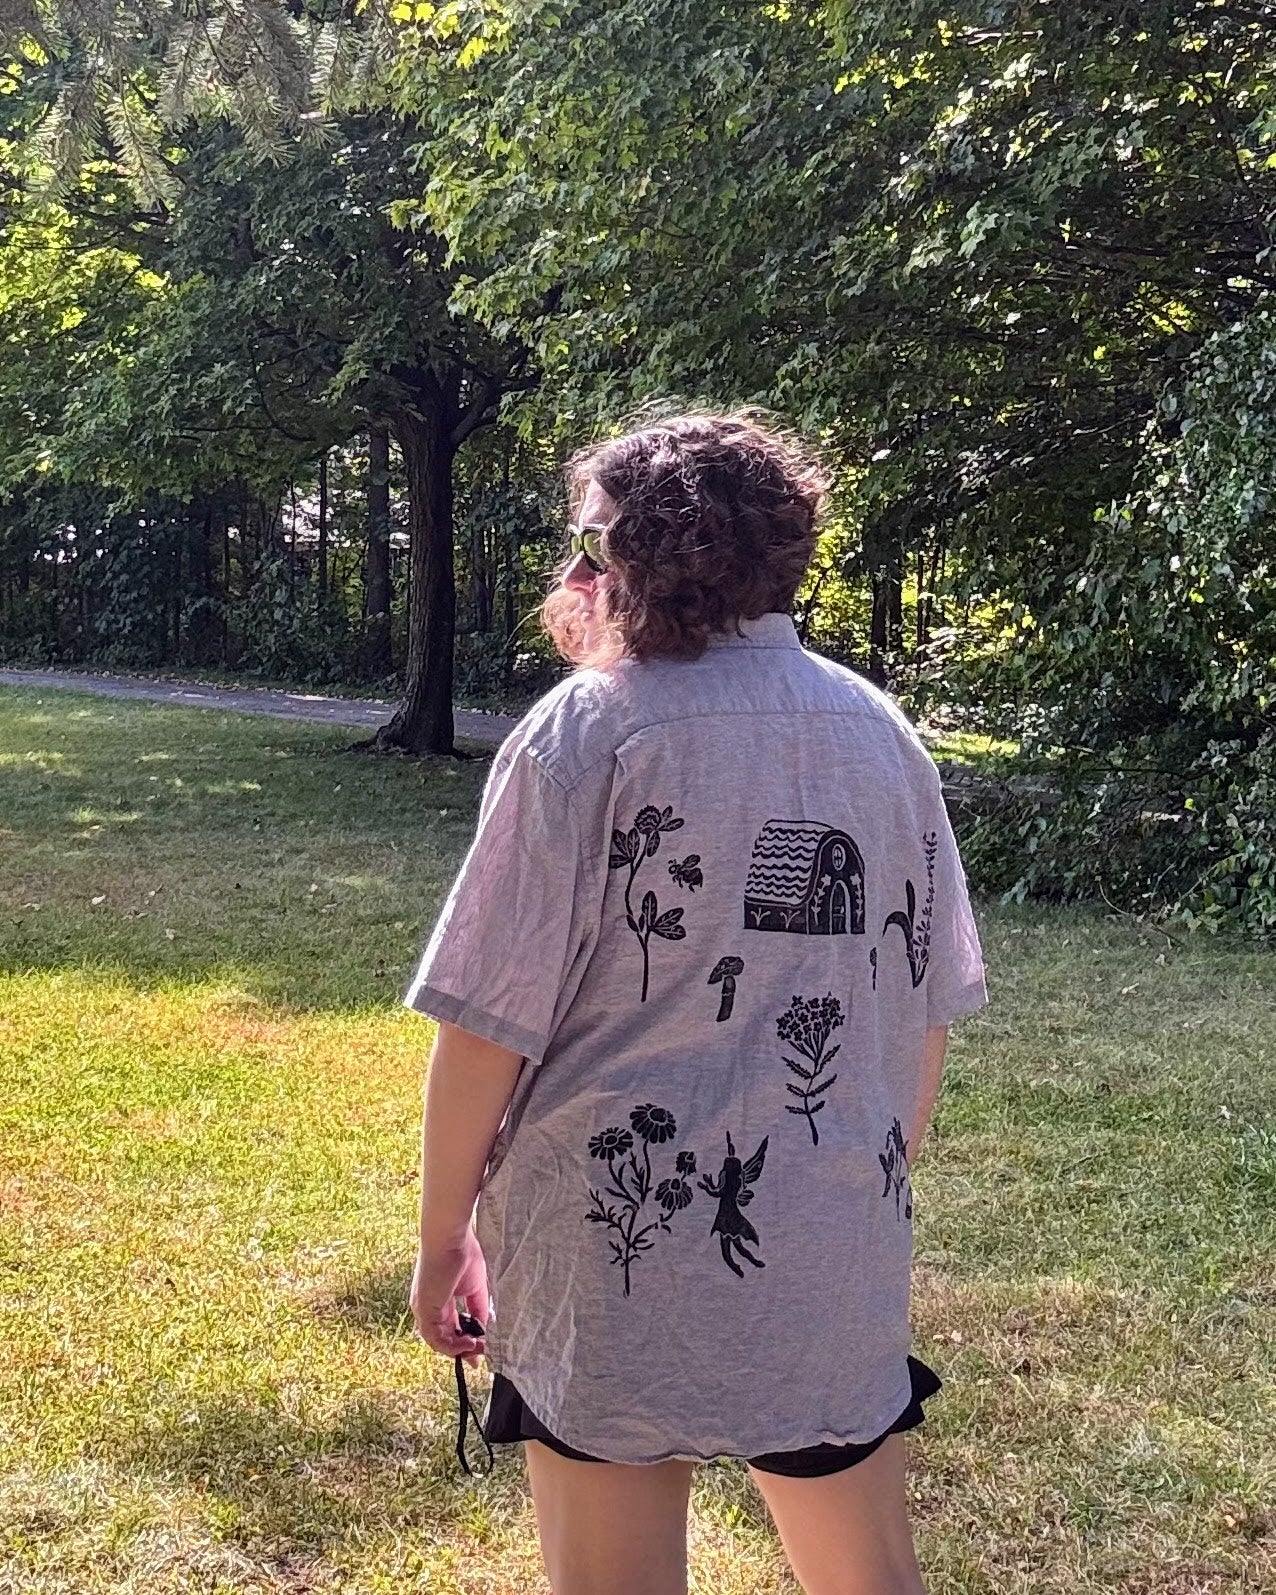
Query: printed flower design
x,y
630,850
630,1182
612,1142
805,1026
673,1194
653,1123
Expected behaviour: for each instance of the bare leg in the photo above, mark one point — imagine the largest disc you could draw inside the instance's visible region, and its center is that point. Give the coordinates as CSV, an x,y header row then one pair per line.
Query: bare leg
x,y
610,1529
727,1257
848,1533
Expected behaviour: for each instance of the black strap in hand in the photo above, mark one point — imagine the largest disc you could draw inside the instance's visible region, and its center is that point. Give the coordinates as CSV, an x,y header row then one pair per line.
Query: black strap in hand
x,y
468,1326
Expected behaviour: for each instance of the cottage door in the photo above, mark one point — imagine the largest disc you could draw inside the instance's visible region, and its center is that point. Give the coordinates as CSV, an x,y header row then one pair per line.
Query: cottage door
x,y
839,898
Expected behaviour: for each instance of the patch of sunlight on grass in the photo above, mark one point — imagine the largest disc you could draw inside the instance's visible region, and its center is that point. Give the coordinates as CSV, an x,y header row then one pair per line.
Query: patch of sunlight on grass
x,y
209,1103
85,815
41,758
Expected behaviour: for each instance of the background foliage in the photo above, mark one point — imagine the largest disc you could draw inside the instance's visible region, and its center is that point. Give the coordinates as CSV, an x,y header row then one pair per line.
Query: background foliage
x,y
1009,263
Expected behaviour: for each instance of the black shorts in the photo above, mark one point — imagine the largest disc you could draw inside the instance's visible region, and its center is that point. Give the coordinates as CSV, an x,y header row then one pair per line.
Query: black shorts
x,y
509,1421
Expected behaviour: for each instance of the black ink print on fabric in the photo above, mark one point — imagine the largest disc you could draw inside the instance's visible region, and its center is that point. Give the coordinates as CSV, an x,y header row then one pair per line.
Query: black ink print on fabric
x,y
732,1190
620,1204
872,959
894,1162
805,878
630,850
725,971
687,872
917,931
806,1026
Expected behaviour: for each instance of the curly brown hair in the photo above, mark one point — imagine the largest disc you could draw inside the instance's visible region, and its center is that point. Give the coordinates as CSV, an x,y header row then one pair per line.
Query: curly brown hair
x,y
714,524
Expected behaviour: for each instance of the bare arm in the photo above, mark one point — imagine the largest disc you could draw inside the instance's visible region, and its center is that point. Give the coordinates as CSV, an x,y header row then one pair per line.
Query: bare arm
x,y
932,1074
469,1087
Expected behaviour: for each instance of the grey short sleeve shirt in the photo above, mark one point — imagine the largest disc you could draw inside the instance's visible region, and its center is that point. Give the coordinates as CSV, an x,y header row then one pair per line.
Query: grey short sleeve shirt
x,y
715,905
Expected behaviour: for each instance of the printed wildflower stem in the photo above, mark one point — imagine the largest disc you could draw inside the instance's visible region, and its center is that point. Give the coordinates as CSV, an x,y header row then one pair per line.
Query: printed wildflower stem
x,y
917,933
629,1184
630,850
806,1026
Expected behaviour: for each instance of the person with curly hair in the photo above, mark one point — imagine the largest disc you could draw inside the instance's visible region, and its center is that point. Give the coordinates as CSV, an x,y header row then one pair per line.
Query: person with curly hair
x,y
689,860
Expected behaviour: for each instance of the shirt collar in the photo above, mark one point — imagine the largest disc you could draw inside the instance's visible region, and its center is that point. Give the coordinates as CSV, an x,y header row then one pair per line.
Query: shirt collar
x,y
774,630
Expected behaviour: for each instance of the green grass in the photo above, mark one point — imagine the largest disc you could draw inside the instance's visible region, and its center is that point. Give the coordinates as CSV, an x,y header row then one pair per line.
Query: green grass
x,y
208,1119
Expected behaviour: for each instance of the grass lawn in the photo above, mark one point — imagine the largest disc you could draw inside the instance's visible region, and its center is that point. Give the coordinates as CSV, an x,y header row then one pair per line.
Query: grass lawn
x,y
208,1118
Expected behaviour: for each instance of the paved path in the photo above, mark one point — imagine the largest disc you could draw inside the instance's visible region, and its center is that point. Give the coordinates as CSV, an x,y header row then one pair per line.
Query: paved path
x,y
473,726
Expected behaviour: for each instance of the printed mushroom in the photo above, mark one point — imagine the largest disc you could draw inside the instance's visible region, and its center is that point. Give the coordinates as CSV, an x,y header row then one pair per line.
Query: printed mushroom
x,y
725,970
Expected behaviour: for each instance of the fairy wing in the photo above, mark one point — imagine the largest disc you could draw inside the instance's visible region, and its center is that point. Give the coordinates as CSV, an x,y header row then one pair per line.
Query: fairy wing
x,y
753,1168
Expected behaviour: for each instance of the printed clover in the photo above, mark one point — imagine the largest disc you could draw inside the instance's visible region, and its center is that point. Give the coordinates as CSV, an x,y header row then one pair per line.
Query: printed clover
x,y
629,851
686,1163
612,1142
673,1194
652,1123
726,970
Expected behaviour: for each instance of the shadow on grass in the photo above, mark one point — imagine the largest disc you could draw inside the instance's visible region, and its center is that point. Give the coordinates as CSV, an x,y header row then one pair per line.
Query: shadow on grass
x,y
376,1304
380,1463
168,846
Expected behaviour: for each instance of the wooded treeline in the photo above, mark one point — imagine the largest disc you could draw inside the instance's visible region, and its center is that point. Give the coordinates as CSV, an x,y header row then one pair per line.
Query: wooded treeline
x,y
1010,263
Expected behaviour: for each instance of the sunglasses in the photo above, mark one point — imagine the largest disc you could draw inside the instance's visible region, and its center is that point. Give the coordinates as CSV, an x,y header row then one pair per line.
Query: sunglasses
x,y
584,540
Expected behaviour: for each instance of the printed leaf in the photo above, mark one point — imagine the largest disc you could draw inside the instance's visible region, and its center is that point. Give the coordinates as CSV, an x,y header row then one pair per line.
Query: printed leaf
x,y
910,897
823,1086
634,841
674,932
796,1090
816,1106
653,844
667,920
647,914
789,1108
670,825
832,1053
798,1069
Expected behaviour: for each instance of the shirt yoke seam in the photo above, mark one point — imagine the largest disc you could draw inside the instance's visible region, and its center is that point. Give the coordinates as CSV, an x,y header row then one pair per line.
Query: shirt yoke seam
x,y
706,714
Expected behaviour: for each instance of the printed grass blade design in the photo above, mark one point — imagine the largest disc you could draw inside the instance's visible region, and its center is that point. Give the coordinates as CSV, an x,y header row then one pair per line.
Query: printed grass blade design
x,y
806,1025
629,1183
917,932
630,850
894,1163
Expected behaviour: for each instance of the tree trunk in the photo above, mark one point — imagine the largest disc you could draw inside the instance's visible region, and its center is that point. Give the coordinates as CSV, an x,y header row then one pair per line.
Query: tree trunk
x,y
323,527
480,588
878,634
423,721
377,652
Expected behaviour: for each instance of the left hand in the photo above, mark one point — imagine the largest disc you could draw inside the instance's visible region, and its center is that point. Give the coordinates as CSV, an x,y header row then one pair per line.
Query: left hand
x,y
441,1276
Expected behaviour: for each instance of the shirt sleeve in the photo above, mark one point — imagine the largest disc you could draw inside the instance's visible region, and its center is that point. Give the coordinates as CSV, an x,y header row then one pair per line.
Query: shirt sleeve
x,y
955,983
518,924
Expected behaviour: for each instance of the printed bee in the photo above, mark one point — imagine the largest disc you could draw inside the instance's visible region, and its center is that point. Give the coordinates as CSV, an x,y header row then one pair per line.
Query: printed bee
x,y
687,872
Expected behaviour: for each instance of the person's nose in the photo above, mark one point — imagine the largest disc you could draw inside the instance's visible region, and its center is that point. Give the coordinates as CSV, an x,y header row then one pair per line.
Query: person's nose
x,y
579,575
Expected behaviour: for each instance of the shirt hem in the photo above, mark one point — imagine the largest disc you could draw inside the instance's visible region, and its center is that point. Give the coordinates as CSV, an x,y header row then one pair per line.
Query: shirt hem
x,y
970,999
800,1440
436,1004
